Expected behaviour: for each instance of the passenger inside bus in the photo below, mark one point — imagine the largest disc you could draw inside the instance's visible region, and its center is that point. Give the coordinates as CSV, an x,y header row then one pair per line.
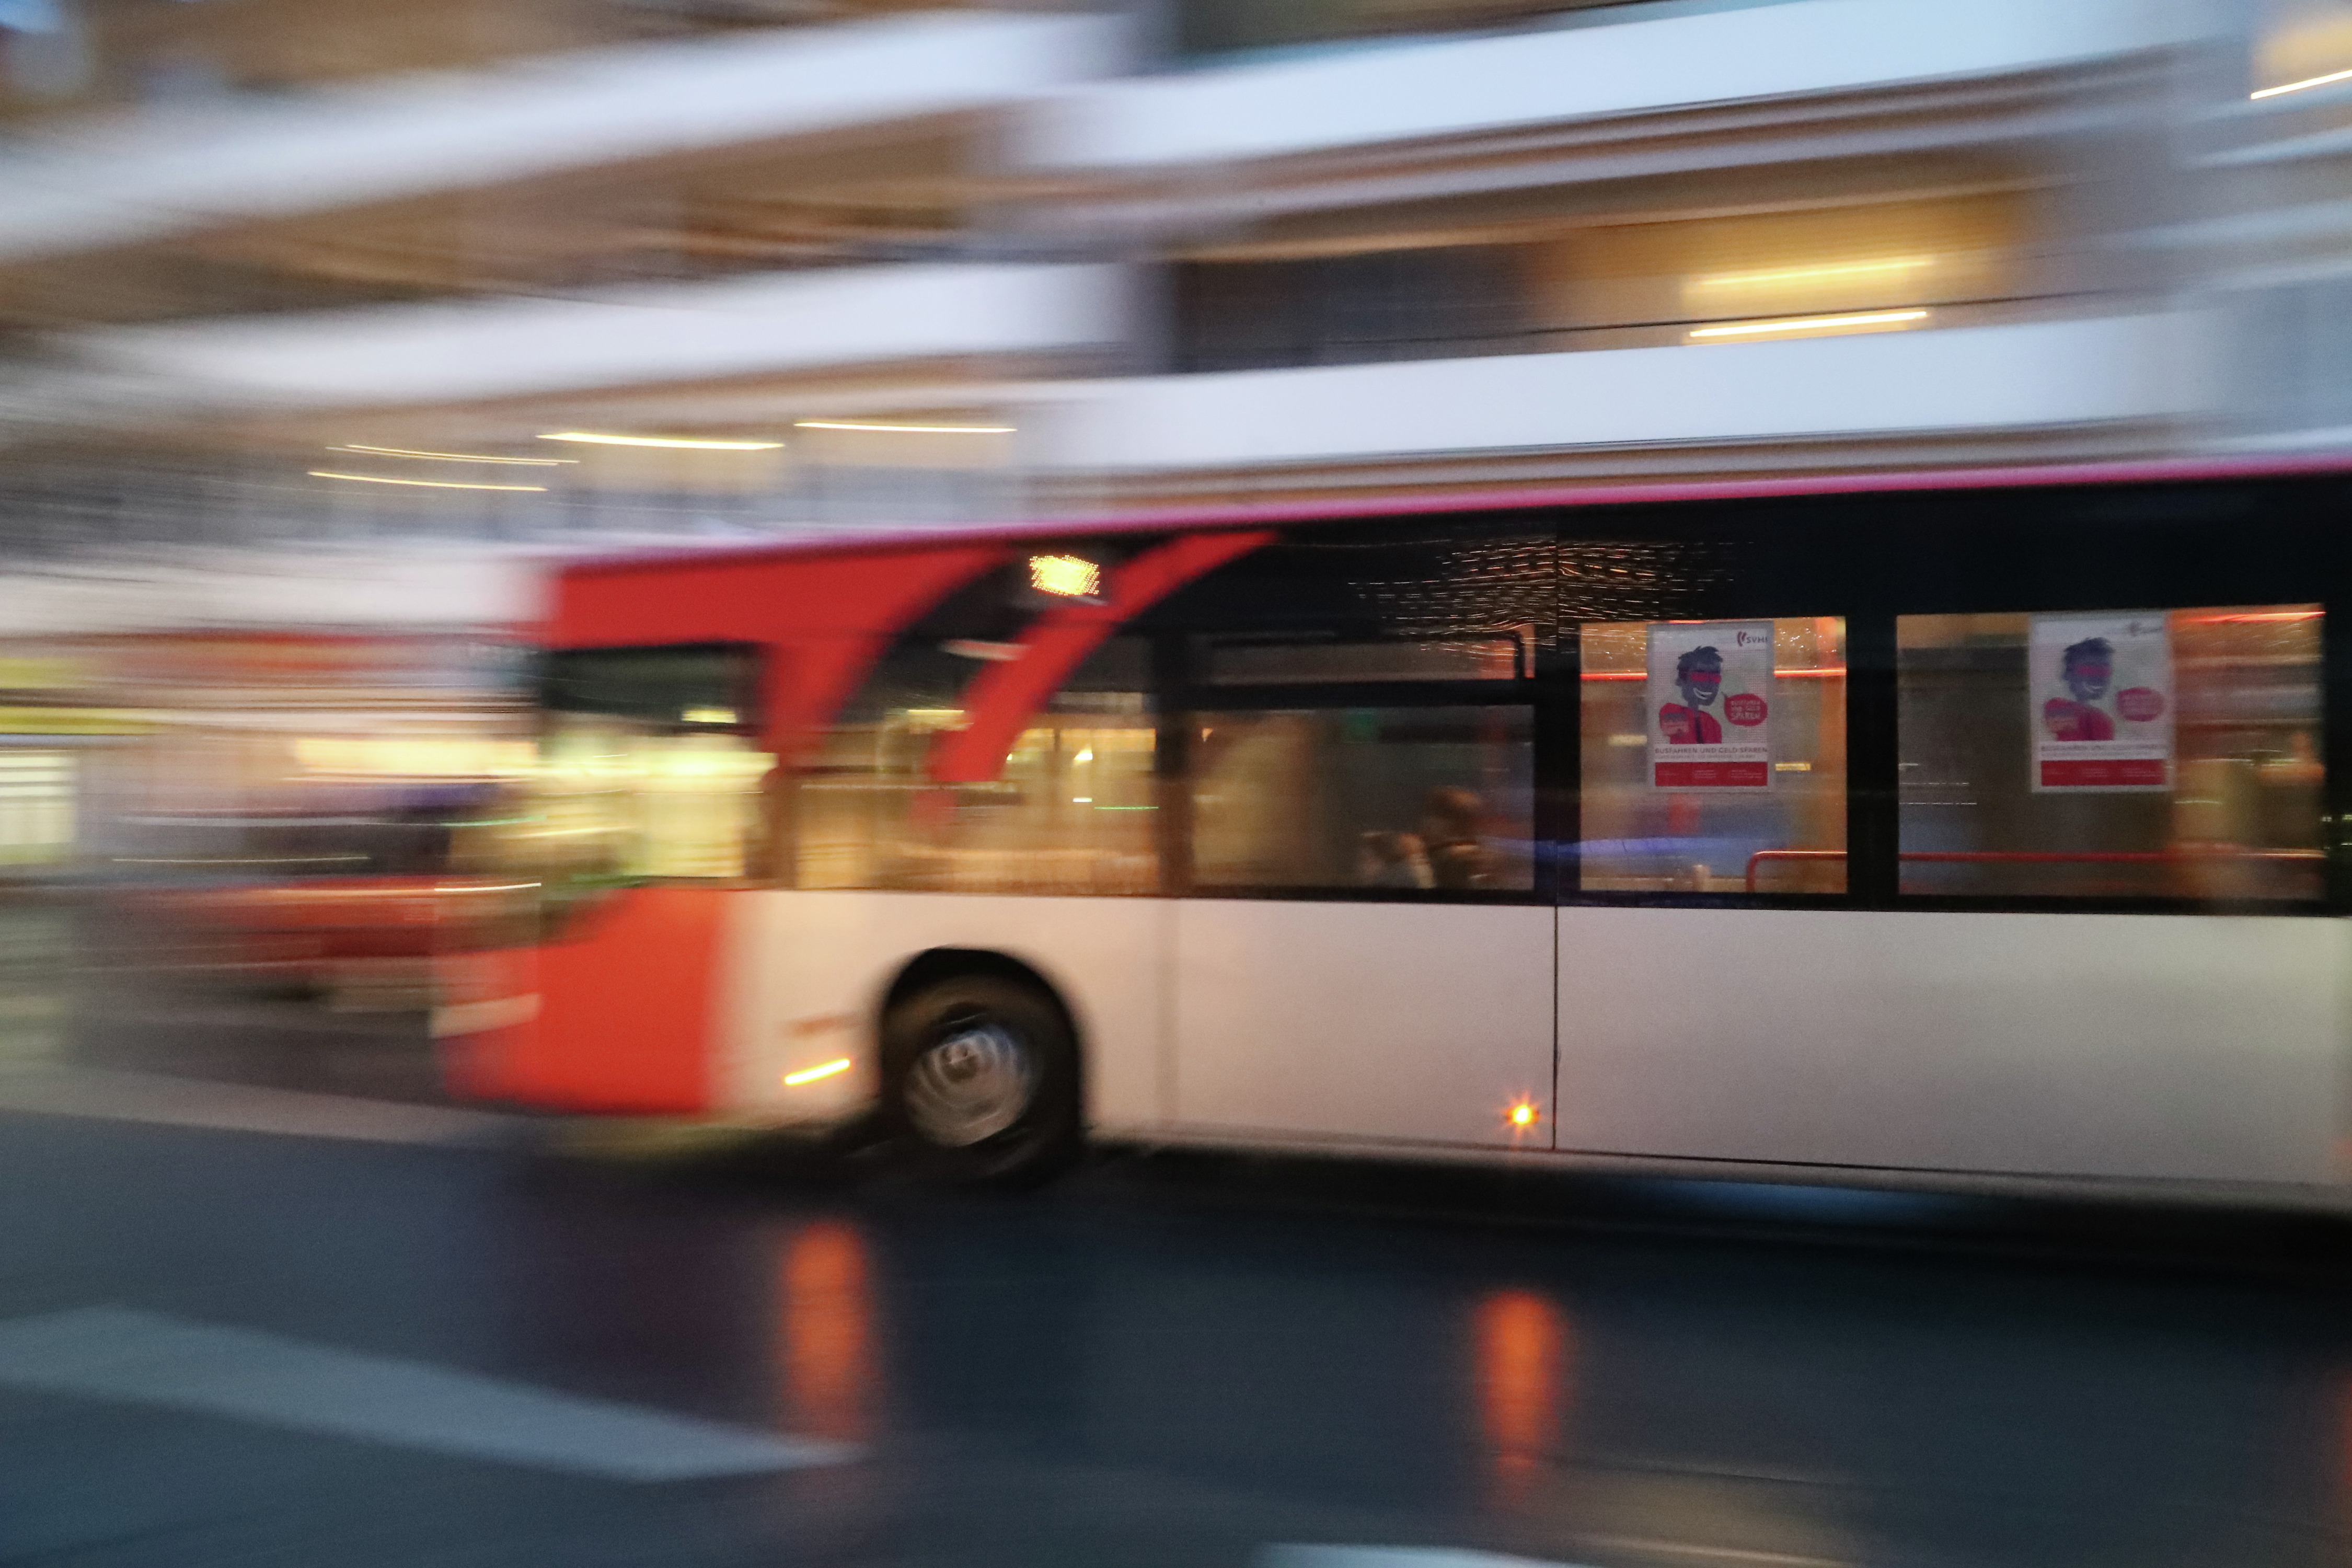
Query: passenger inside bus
x,y
1448,852
1394,860
1458,856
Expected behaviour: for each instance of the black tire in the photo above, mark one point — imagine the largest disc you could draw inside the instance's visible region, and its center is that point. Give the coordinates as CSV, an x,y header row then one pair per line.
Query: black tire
x,y
981,1081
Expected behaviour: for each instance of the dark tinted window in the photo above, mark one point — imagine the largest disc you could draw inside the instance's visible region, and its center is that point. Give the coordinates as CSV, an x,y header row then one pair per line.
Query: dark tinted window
x,y
1347,310
705,687
1421,581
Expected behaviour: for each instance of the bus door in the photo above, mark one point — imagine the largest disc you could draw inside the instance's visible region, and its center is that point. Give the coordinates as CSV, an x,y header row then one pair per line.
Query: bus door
x,y
1360,952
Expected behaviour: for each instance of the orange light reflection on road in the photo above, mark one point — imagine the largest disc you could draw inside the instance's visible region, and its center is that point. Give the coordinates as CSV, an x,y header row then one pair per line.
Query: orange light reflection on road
x,y
826,1324
1522,1350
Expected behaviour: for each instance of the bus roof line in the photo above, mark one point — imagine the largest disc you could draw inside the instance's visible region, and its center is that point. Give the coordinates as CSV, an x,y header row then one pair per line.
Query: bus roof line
x,y
1440,503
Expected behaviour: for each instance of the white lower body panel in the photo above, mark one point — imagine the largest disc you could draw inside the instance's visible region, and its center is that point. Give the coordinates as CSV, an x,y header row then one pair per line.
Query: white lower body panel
x,y
1416,1022
2190,1048
2207,1050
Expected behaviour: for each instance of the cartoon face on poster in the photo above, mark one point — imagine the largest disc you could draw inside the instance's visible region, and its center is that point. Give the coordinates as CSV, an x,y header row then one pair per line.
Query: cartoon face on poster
x,y
2100,689
1710,705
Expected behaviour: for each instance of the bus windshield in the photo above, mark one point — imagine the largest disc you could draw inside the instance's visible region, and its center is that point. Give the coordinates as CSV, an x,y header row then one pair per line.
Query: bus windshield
x,y
649,767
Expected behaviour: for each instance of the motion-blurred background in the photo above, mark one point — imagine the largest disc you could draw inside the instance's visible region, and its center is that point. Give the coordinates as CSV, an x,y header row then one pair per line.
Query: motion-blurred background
x,y
326,326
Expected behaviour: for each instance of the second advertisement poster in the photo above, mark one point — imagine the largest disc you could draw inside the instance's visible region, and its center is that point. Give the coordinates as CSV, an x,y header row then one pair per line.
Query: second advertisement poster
x,y
2101,695
1710,705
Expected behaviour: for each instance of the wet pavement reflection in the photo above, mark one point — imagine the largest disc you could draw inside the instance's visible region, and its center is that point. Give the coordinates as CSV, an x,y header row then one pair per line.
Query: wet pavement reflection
x,y
1519,1336
1164,1360
826,1331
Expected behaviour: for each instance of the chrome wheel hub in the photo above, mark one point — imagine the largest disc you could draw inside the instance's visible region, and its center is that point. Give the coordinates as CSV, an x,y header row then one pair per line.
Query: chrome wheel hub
x,y
973,1084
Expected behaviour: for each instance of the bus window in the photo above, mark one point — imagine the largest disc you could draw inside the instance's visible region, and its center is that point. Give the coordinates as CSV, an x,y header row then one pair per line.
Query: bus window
x,y
1071,811
2150,753
618,799
1394,798
1713,756
648,766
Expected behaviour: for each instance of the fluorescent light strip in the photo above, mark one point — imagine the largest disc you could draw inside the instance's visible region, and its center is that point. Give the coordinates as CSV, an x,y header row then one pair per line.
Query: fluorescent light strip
x,y
911,429
1810,324
1714,280
591,439
456,456
2299,86
423,484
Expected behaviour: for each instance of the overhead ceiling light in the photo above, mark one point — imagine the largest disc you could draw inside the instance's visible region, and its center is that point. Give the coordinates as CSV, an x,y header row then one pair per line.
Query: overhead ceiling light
x,y
423,484
1756,293
1893,266
1811,324
591,439
910,429
454,457
2307,82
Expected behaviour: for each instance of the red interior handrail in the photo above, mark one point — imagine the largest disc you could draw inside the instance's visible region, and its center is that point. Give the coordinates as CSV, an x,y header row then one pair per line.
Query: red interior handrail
x,y
2046,858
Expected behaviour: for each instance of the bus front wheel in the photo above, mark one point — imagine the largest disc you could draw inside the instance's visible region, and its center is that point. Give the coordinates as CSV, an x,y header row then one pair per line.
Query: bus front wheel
x,y
981,1080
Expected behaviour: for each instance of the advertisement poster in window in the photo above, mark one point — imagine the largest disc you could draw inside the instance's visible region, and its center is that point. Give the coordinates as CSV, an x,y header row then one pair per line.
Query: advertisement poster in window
x,y
1710,705
2101,693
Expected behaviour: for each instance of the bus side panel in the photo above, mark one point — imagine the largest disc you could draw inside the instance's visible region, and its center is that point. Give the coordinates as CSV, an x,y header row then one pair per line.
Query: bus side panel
x,y
2199,1047
811,969
625,1009
1427,1022
485,1017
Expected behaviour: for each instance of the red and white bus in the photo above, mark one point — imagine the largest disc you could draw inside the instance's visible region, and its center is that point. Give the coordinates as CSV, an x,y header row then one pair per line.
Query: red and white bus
x,y
1946,828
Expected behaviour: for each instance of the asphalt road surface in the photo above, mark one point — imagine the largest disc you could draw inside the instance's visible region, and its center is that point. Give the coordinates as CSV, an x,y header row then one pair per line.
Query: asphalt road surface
x,y
307,1330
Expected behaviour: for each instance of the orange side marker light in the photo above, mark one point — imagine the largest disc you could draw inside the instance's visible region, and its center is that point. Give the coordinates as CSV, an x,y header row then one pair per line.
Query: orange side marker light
x,y
810,1075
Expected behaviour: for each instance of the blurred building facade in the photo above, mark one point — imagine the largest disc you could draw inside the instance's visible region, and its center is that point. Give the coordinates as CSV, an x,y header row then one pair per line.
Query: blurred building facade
x,y
310,303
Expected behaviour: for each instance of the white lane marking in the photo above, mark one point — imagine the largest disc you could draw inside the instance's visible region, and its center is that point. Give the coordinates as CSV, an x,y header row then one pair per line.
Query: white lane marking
x,y
1452,1557
163,1101
115,1352
1391,1557
1711,1553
